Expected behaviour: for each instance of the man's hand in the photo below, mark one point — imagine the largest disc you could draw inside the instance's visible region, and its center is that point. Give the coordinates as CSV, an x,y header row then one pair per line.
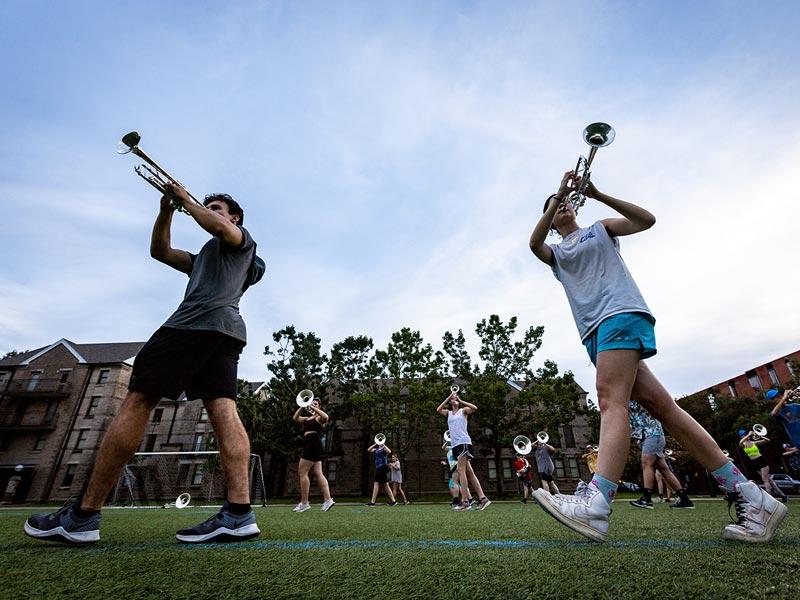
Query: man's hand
x,y
178,192
565,187
166,204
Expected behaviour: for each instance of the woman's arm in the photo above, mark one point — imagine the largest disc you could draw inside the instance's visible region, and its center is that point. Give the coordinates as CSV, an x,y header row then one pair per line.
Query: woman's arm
x,y
372,448
297,418
634,218
441,408
549,447
539,234
468,408
321,415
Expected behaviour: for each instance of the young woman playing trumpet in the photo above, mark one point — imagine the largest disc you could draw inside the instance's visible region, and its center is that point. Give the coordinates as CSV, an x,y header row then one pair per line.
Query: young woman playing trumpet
x,y
311,459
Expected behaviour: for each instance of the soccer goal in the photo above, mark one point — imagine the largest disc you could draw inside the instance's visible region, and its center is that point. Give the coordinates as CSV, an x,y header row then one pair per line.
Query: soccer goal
x,y
156,479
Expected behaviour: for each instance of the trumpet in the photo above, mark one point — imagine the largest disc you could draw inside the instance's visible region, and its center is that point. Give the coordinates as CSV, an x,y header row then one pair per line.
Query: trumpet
x,y
380,439
522,445
668,452
181,501
542,437
759,431
726,453
446,437
151,172
454,389
597,135
304,398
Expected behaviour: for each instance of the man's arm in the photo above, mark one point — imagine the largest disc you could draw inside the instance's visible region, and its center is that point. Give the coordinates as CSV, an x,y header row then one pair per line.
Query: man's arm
x,y
215,224
536,243
160,241
781,403
634,218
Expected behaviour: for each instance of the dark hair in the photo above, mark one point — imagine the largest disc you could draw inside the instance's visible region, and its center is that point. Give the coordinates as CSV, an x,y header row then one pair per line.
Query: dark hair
x,y
233,205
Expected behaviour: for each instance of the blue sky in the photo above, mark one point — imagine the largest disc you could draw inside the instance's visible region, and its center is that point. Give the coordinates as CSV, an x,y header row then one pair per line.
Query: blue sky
x,y
392,159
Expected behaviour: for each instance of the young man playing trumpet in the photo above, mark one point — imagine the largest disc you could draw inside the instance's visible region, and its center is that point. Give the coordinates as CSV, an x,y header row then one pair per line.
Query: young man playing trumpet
x,y
617,330
381,454
196,351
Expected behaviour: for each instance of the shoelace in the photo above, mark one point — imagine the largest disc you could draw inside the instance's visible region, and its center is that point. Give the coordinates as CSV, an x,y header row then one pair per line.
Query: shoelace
x,y
735,499
582,489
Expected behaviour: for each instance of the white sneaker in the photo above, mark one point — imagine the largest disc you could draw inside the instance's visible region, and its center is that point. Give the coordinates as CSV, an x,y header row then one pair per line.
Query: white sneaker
x,y
462,506
327,505
301,507
585,512
757,514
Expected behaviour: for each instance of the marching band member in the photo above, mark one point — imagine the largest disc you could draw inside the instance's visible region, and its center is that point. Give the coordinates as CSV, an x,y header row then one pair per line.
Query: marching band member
x,y
651,438
788,413
462,448
311,459
397,478
616,327
544,465
590,456
525,475
452,464
381,453
758,463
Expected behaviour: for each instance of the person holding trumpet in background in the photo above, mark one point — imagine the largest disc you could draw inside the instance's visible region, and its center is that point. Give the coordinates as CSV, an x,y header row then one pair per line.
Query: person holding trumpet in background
x,y
617,329
313,451
457,411
381,452
543,452
749,442
452,466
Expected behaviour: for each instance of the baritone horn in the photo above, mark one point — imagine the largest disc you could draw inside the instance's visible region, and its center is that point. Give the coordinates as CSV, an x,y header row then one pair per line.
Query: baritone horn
x,y
542,437
522,445
151,171
597,135
759,431
380,439
304,398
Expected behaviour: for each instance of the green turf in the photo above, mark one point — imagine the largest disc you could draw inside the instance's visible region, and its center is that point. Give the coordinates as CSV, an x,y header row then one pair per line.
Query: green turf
x,y
508,551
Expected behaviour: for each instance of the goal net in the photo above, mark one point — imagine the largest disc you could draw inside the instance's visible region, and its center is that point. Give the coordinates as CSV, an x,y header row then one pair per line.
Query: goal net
x,y
153,479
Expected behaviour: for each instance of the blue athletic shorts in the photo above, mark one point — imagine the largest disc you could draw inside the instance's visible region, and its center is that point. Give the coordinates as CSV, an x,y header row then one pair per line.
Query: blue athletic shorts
x,y
629,331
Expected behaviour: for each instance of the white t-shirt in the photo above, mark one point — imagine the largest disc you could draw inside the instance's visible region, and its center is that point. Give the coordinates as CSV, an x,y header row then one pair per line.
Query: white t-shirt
x,y
457,424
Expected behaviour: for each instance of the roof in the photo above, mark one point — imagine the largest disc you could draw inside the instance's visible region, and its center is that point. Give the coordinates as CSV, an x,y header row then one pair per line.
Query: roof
x,y
110,352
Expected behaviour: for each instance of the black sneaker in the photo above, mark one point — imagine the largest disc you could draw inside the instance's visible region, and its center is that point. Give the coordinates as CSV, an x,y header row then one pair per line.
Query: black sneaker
x,y
524,500
642,503
370,504
64,526
683,503
392,503
222,527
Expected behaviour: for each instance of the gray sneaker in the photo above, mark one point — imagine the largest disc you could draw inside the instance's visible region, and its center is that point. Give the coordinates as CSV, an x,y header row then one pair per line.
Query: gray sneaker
x,y
222,527
64,526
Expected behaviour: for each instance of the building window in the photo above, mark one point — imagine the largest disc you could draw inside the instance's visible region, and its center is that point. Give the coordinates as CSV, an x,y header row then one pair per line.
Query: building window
x,y
102,376
199,442
50,413
34,380
150,442
80,442
203,415
183,473
732,388
157,414
64,376
69,475
332,471
572,463
5,441
569,436
506,465
773,376
94,402
38,445
446,471
197,476
789,367
560,473
752,378
3,377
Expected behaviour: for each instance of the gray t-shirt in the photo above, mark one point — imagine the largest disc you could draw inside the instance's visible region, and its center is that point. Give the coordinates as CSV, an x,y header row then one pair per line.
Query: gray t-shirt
x,y
598,284
544,464
216,283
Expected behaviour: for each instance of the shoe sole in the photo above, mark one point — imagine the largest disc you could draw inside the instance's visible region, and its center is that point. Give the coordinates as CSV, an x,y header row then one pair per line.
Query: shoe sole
x,y
488,502
769,527
683,507
222,534
632,503
577,526
59,534
323,509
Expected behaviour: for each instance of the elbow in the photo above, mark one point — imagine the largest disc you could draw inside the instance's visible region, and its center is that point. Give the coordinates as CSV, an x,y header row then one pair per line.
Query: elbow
x,y
650,221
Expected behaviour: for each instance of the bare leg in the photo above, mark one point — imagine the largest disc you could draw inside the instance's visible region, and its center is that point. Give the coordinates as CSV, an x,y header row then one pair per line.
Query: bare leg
x,y
234,447
119,443
473,479
553,487
616,372
302,474
375,488
670,481
770,485
649,392
389,492
649,471
321,482
462,478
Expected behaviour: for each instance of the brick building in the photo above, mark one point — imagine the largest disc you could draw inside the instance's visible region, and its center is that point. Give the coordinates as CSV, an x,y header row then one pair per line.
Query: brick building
x,y
758,380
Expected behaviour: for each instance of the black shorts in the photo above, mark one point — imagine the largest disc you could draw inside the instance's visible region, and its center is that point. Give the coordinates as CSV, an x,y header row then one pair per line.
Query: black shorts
x,y
545,477
758,463
201,363
381,474
463,450
312,447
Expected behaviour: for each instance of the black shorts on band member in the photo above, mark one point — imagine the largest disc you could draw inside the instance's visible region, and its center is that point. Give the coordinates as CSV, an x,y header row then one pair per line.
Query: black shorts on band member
x,y
381,474
312,447
463,450
203,364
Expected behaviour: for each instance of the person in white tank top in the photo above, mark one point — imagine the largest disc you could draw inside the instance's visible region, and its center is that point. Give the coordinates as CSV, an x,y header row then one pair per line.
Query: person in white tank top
x,y
457,410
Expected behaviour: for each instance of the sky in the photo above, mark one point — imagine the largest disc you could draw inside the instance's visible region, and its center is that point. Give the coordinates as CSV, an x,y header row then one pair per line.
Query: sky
x,y
392,160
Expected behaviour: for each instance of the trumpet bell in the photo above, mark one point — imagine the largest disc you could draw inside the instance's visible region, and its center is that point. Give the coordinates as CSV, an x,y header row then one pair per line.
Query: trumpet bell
x,y
446,436
454,389
599,135
668,452
128,142
542,437
760,430
596,448
726,453
522,445
380,439
304,398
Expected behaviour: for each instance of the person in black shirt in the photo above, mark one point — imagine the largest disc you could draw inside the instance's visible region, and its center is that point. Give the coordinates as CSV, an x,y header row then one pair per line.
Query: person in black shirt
x,y
311,459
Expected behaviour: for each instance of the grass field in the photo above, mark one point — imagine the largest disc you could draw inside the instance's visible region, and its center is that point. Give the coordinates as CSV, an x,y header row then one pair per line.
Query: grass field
x,y
509,551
